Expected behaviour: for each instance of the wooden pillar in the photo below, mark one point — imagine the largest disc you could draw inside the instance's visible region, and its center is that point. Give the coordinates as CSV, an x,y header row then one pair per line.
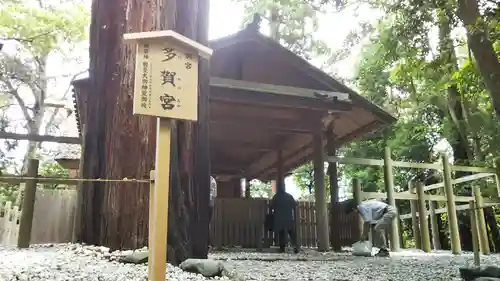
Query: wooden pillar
x,y
280,179
78,206
474,231
422,215
247,188
400,227
236,186
389,188
334,211
356,192
452,213
414,218
334,182
28,207
497,175
320,191
481,223
434,226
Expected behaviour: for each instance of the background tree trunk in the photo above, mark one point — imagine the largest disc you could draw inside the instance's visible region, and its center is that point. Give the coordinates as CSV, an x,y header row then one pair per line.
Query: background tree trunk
x,y
119,144
482,48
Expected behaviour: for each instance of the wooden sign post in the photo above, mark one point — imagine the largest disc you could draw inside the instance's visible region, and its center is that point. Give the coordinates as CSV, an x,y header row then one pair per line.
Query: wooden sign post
x,y
166,86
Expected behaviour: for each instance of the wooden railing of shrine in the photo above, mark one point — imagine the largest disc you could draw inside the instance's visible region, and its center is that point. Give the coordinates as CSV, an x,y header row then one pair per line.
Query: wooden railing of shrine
x,y
239,222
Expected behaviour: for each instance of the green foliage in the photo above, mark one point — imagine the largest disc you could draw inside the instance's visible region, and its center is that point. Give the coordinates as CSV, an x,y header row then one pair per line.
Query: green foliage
x,y
303,177
43,29
259,189
53,170
36,32
414,74
293,23
9,192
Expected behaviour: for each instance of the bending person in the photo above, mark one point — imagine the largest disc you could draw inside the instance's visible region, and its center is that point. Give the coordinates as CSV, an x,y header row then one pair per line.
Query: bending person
x,y
377,215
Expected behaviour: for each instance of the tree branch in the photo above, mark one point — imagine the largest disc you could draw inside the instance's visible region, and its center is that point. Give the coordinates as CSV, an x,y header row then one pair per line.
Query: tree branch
x,y
25,40
19,100
56,111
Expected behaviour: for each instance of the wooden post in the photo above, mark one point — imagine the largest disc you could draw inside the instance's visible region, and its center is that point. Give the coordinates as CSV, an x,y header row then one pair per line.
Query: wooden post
x,y
170,96
389,188
481,223
151,222
28,207
78,207
497,175
434,226
334,198
320,191
280,179
247,188
400,226
159,222
356,192
422,215
450,204
414,218
475,242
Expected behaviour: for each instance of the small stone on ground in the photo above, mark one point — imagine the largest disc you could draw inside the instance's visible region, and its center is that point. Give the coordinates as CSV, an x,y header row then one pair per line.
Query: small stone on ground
x,y
207,268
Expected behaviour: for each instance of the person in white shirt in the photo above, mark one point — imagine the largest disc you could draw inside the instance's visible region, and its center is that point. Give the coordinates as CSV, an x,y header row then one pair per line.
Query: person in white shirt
x,y
377,215
213,196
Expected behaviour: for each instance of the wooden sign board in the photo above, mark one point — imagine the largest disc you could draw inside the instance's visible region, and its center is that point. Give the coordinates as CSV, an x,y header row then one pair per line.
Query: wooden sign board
x,y
166,74
166,86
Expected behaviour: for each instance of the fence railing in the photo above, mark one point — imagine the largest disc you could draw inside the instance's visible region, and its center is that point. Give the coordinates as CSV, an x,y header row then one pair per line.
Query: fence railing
x,y
52,217
240,222
236,221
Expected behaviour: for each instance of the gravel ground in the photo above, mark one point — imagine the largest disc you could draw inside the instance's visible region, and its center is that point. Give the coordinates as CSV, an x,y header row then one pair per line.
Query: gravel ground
x,y
75,262
406,265
64,262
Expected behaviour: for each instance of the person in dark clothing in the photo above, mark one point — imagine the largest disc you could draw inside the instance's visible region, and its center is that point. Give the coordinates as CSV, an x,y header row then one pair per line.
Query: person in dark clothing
x,y
283,208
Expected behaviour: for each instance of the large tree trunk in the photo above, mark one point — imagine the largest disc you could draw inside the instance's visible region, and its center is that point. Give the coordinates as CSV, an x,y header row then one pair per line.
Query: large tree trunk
x,y
489,67
461,149
482,48
491,222
119,144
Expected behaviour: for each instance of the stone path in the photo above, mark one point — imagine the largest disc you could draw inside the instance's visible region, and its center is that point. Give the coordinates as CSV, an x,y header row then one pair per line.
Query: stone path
x,y
404,266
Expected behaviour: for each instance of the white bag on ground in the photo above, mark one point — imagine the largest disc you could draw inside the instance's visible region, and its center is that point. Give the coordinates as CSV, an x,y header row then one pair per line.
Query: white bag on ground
x,y
362,248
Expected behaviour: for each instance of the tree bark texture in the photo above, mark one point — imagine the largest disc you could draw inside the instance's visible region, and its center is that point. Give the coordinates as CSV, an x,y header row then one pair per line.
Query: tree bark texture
x,y
482,48
491,222
461,148
119,144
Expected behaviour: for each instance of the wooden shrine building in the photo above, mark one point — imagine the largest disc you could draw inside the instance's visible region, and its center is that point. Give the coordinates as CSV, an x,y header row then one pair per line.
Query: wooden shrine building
x,y
271,111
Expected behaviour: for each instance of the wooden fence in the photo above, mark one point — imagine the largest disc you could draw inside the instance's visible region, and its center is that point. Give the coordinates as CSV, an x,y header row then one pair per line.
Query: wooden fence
x,y
240,222
236,221
52,220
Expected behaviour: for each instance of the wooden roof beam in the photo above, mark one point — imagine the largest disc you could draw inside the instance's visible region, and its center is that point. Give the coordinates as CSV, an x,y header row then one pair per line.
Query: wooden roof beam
x,y
225,171
271,126
219,82
262,96
275,101
221,144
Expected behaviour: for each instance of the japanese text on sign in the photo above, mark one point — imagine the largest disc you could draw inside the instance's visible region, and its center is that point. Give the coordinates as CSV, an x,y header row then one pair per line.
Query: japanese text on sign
x,y
166,81
170,78
145,76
